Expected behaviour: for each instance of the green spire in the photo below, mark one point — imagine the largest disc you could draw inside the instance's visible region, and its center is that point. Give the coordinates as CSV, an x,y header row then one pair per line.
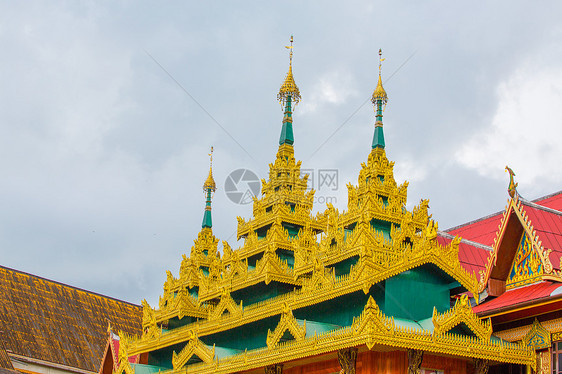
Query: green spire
x,y
379,99
289,92
287,129
209,187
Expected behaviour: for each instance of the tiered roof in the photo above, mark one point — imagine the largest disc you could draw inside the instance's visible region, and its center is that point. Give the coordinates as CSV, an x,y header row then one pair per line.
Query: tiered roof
x,y
375,275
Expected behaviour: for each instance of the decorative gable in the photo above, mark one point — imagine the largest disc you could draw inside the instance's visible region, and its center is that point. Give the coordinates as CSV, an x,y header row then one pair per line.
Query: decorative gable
x,y
524,257
538,337
527,266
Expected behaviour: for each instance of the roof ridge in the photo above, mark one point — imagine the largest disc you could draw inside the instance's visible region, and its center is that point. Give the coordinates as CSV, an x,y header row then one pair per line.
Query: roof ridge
x,y
68,285
547,196
534,201
466,241
541,207
474,221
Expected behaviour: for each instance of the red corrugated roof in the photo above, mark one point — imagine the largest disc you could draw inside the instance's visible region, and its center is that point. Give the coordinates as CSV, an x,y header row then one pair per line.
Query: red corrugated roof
x,y
537,291
480,231
548,227
553,201
472,258
484,230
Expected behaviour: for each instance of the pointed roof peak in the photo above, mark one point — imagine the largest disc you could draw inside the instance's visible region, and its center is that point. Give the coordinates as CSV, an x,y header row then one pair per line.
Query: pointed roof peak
x,y
289,88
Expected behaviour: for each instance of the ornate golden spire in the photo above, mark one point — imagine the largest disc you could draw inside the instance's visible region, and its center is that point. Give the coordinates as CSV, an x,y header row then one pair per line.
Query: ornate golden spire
x,y
210,182
380,93
209,187
379,100
289,87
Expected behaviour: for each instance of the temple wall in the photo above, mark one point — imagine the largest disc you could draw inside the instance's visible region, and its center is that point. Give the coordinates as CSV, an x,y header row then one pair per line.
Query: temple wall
x,y
395,362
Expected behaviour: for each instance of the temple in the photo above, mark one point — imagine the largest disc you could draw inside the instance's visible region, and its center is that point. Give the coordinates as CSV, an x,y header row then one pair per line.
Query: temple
x,y
373,288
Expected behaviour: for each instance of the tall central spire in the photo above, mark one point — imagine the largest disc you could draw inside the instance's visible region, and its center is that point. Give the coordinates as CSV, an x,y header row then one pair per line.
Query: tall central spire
x,y
209,187
379,99
288,93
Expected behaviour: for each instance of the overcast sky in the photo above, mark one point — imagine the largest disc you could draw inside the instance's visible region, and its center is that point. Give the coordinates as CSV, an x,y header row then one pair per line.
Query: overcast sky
x,y
108,110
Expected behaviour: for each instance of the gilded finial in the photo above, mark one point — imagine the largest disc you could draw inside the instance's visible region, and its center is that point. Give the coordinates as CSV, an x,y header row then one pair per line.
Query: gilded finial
x,y
290,48
289,88
512,188
380,93
210,182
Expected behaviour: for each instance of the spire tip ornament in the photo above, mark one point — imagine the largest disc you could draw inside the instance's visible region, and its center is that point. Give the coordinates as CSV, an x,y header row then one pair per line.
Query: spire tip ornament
x,y
209,187
289,89
379,100
210,182
380,93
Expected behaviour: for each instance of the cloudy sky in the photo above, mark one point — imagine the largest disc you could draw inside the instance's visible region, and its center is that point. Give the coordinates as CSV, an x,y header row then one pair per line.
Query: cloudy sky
x,y
108,110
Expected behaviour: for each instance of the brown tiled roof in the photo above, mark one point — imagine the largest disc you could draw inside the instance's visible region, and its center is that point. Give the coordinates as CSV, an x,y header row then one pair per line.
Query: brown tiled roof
x,y
5,362
8,371
54,322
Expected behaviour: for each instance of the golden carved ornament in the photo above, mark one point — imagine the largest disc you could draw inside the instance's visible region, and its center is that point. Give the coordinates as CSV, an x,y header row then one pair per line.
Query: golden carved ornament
x,y
461,312
415,358
538,337
193,347
544,362
289,323
347,359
